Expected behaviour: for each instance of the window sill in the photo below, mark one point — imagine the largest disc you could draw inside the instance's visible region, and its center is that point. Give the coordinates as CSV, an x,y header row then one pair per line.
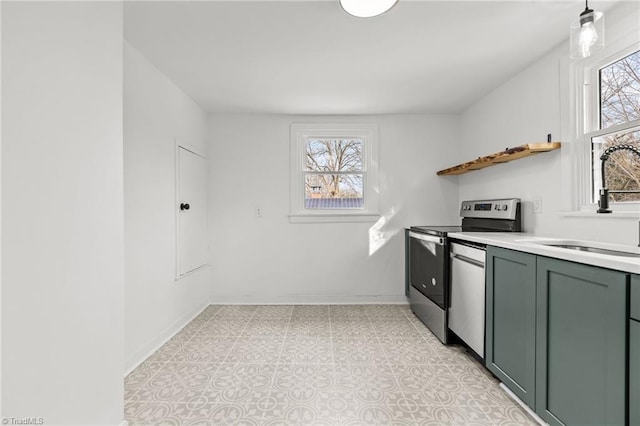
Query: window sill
x,y
333,218
634,215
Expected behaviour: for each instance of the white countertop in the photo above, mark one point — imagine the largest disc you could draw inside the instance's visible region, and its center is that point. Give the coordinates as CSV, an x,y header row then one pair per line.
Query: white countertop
x,y
526,242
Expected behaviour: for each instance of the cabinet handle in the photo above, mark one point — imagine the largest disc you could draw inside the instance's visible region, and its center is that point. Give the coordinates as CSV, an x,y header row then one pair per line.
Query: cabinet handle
x,y
184,206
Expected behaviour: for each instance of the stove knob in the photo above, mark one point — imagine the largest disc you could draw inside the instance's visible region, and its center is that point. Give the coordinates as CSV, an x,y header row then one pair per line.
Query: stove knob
x,y
505,207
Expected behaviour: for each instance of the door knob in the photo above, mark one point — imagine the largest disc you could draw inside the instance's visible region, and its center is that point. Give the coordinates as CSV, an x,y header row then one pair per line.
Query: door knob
x,y
184,206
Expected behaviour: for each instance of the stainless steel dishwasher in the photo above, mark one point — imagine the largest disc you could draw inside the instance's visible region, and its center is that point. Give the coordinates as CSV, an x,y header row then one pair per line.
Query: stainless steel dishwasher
x,y
429,270
467,294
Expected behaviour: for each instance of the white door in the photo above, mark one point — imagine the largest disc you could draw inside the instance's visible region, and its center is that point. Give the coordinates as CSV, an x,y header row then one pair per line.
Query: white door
x,y
192,211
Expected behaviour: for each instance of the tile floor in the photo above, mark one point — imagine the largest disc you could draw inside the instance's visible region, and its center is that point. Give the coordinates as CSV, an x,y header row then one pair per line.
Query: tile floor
x,y
313,365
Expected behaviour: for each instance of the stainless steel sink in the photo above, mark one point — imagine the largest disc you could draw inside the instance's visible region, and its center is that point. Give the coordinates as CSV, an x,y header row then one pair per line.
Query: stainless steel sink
x,y
594,250
586,246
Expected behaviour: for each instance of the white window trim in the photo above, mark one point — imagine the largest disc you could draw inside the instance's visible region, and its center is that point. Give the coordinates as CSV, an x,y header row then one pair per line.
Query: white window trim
x,y
300,132
585,119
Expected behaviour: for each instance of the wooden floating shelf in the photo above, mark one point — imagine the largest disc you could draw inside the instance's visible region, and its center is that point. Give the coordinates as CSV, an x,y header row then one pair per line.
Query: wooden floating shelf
x,y
505,156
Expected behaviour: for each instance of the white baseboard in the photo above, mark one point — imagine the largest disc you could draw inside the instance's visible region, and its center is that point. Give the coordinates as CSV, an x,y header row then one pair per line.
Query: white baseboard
x,y
523,405
157,342
309,300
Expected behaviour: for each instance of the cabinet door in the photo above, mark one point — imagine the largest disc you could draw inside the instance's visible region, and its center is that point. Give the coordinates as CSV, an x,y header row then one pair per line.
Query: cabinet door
x,y
510,320
635,297
580,349
634,373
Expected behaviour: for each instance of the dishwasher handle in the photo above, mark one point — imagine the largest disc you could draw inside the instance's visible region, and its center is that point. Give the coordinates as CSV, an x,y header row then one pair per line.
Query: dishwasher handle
x,y
466,259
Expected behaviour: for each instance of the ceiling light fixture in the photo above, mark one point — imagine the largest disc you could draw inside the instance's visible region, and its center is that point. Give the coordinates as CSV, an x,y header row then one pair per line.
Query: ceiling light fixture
x,y
587,33
367,8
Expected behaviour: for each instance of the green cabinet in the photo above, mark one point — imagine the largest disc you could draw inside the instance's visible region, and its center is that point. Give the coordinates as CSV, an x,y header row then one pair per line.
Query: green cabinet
x,y
580,343
634,373
511,321
635,297
634,352
556,336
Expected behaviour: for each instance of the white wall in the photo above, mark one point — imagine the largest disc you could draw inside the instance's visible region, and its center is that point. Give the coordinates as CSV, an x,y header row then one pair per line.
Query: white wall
x,y
156,115
62,220
524,110
1,205
269,260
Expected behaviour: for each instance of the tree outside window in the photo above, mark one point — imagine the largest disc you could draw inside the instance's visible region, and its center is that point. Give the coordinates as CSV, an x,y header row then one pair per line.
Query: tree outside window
x,y
334,175
619,110
333,172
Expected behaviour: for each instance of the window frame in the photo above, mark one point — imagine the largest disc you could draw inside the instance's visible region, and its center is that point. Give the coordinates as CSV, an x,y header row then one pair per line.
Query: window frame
x,y
588,105
299,134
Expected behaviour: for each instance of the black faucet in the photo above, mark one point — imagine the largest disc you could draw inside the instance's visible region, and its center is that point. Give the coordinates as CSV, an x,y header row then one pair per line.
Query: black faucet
x,y
603,203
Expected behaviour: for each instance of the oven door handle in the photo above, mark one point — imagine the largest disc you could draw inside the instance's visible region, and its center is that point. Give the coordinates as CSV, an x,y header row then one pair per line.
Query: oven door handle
x,y
468,260
425,237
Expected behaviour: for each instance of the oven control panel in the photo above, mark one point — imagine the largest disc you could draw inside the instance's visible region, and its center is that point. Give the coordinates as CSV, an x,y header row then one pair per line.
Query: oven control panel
x,y
504,208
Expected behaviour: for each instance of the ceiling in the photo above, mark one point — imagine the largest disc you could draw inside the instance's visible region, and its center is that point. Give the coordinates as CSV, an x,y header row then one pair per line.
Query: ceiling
x,y
309,57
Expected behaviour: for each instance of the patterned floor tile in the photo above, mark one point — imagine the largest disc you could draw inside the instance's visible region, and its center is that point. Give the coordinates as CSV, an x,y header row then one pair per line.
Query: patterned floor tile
x,y
313,365
167,350
283,312
432,415
235,414
354,351
193,327
347,312
266,327
255,350
511,415
312,326
351,327
176,383
380,414
310,311
155,413
196,351
385,312
222,327
400,351
306,349
139,378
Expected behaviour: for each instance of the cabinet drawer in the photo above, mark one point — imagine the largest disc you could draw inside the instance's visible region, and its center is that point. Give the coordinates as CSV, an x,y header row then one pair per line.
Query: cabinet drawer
x,y
635,297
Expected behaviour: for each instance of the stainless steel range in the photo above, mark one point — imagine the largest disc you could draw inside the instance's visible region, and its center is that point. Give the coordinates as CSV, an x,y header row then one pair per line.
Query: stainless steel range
x,y
446,277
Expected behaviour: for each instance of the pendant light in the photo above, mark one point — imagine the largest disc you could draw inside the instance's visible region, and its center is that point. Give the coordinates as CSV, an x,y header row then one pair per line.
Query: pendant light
x,y
367,8
587,33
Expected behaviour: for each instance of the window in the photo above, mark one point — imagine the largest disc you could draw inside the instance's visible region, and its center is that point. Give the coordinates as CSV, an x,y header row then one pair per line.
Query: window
x,y
333,172
613,119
